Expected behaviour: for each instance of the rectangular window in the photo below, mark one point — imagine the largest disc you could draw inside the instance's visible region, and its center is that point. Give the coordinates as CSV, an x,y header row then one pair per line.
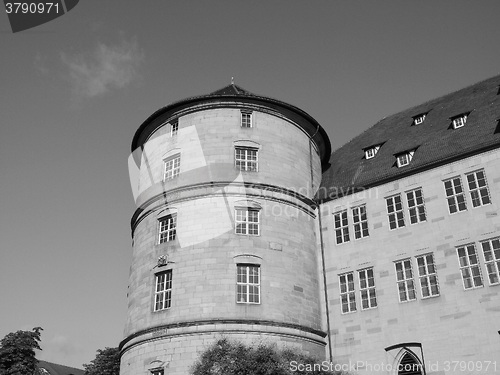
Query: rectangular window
x,y
417,120
416,206
491,252
367,289
174,128
455,195
478,188
371,152
167,228
341,227
163,290
404,277
428,276
248,284
395,212
347,294
247,221
246,119
469,266
360,222
246,159
404,159
172,167
459,121
157,372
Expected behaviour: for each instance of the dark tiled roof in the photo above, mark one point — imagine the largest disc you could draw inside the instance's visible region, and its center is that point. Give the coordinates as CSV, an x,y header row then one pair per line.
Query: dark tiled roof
x,y
435,141
232,89
55,369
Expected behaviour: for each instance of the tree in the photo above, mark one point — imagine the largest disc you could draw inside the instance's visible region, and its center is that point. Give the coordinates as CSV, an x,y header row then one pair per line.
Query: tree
x,y
106,362
17,352
234,358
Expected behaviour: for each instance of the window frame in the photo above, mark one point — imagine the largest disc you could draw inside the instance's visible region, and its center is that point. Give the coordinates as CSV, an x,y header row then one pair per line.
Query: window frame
x,y
478,189
342,228
395,212
247,284
367,289
415,206
455,195
419,119
426,272
492,261
168,234
174,128
405,280
467,266
360,225
459,121
165,293
246,119
349,293
247,224
408,155
173,170
371,152
246,162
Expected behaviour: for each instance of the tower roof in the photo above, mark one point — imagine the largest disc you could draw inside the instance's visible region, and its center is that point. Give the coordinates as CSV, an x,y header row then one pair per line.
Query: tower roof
x,y
227,96
434,141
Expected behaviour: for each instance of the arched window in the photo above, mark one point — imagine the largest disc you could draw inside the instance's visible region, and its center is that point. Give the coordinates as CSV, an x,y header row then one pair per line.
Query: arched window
x,y
409,365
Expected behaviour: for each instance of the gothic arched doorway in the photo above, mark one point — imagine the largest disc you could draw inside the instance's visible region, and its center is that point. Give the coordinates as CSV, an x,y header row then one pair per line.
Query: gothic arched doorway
x,y
409,365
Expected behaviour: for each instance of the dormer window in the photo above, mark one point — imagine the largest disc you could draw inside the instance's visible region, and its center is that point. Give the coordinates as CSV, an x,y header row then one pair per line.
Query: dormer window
x,y
459,121
419,119
404,158
371,152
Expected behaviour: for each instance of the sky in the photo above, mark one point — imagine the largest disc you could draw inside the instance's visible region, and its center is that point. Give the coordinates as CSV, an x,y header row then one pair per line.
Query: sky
x,y
75,90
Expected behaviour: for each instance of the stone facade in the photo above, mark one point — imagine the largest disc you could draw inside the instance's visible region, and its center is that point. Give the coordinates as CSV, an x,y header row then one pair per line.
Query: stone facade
x,y
456,325
369,293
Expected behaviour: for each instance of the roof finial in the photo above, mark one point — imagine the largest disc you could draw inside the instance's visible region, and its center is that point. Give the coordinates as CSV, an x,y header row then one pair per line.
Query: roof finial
x,y
232,80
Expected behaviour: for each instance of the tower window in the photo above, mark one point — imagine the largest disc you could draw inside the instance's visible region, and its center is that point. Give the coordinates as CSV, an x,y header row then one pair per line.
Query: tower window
x,y
404,158
455,195
416,206
419,119
478,188
347,294
491,251
428,276
247,221
157,372
395,212
367,289
246,119
248,284
167,228
246,159
163,290
360,222
469,266
371,152
459,121
341,226
174,128
172,167
404,278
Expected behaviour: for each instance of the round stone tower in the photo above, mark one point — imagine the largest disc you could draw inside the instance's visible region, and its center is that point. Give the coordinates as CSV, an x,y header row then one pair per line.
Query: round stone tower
x,y
224,232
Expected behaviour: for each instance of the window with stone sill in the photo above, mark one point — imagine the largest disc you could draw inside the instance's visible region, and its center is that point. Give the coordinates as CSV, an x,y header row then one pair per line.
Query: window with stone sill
x,y
247,221
416,206
248,283
172,167
360,221
246,159
174,128
163,290
491,252
427,274
478,188
341,227
455,195
167,228
246,119
395,212
367,290
469,267
404,279
347,293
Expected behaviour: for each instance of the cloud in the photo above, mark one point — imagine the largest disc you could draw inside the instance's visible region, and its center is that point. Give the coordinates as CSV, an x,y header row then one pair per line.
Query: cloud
x,y
108,67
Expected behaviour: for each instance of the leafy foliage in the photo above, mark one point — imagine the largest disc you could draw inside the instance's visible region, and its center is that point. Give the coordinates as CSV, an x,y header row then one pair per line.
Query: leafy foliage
x,y
106,362
234,358
17,352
